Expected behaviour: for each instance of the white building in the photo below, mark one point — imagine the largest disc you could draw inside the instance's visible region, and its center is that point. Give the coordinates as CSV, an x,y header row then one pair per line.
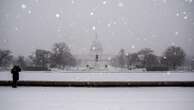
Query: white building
x,y
95,59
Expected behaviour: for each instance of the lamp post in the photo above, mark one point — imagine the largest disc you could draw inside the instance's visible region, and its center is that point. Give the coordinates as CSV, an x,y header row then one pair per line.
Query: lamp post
x,y
165,61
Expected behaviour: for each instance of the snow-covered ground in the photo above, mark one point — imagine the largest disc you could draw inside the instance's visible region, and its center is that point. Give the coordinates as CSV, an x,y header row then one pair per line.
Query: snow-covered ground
x,y
133,76
44,98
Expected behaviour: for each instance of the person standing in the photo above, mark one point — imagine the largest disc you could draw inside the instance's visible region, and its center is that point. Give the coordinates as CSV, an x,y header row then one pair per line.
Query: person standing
x,y
15,75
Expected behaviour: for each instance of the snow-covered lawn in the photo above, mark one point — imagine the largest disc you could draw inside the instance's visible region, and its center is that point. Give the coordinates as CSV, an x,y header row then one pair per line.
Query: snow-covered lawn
x,y
65,76
45,98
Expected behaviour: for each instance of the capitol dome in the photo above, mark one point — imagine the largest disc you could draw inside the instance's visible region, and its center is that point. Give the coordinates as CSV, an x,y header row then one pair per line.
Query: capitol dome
x,y
96,47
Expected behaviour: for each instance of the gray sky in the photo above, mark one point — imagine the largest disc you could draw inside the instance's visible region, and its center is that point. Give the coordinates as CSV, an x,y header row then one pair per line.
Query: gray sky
x,y
130,24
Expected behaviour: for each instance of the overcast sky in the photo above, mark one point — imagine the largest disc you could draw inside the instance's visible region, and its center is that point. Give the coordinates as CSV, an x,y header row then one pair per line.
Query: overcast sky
x,y
26,25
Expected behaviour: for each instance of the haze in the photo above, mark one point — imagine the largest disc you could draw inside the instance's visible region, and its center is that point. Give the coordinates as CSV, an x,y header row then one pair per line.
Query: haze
x,y
26,25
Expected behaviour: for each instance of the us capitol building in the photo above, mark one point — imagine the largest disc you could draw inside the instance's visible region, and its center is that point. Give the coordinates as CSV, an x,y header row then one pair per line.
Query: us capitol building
x,y
95,59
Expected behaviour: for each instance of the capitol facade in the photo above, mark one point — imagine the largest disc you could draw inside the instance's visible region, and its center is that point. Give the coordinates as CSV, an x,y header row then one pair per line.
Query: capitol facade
x,y
96,58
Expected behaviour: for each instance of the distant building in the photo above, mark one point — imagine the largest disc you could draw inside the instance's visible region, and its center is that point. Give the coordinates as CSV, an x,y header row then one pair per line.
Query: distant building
x,y
95,59
96,53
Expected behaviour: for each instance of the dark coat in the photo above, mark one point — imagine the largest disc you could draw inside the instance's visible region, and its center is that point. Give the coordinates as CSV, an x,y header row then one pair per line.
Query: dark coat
x,y
15,72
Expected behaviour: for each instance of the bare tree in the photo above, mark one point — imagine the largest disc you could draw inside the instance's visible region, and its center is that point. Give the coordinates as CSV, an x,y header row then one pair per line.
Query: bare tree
x,y
61,56
174,56
132,59
5,58
119,60
21,61
148,59
146,51
40,58
151,60
122,58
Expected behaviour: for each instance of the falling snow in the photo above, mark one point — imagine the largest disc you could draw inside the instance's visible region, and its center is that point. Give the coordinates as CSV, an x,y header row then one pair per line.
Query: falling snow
x,y
173,44
16,28
188,1
37,1
57,15
176,33
108,25
23,6
104,2
164,1
91,13
72,1
29,11
177,14
114,22
133,46
120,4
97,15
93,28
184,12
185,17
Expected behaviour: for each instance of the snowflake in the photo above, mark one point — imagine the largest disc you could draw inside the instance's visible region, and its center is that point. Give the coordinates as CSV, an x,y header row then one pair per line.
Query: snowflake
x,y
177,14
176,33
91,13
108,25
104,2
57,15
29,11
173,44
114,22
185,17
16,28
145,39
93,48
36,1
164,1
132,46
72,2
184,12
189,1
120,4
109,58
94,28
23,6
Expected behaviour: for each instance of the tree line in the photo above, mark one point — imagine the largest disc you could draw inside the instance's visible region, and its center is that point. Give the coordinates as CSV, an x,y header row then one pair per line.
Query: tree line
x,y
59,57
172,57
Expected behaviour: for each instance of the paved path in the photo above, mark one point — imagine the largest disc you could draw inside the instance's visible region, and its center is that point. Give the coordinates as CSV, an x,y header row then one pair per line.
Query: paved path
x,y
64,76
